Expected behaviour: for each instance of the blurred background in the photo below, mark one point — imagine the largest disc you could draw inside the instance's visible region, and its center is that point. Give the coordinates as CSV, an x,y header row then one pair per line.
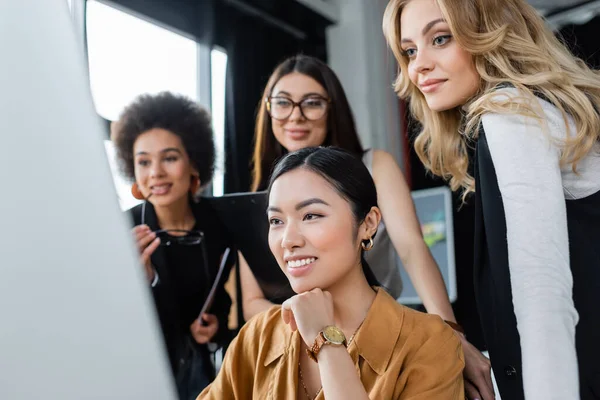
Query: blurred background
x,y
221,53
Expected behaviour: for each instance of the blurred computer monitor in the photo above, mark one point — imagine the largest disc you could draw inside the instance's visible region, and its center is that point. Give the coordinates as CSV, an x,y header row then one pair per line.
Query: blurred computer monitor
x,y
77,316
434,210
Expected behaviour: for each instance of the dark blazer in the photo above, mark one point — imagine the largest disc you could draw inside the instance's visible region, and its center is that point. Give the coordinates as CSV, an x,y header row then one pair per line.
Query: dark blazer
x,y
493,289
216,241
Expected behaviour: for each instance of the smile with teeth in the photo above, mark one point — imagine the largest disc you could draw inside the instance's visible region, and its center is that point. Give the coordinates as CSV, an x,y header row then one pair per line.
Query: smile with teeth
x,y
301,263
160,189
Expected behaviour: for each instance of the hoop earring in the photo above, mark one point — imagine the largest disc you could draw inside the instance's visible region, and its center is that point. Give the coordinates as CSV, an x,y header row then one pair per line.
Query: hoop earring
x,y
367,247
135,192
194,184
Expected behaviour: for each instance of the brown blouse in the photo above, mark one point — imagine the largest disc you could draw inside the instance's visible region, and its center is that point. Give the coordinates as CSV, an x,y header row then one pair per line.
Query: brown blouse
x,y
399,353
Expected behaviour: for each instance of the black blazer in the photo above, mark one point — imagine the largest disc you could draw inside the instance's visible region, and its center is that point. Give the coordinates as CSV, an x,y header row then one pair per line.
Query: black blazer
x,y
493,289
216,241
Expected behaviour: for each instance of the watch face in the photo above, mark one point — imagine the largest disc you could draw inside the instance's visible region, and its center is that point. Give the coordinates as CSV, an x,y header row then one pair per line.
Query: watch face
x,y
334,335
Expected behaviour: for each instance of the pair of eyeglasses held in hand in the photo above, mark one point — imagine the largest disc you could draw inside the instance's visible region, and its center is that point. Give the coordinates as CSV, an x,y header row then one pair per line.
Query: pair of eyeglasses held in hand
x,y
175,236
181,237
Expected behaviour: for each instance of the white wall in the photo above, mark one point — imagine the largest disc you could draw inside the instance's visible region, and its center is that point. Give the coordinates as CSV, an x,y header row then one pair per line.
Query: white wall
x,y
359,55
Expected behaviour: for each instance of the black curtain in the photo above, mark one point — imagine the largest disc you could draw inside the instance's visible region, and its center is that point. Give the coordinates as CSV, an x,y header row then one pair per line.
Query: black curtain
x,y
583,41
193,17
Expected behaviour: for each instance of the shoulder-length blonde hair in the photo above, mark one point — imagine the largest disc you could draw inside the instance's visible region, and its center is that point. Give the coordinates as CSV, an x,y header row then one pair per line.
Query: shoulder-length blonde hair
x,y
510,43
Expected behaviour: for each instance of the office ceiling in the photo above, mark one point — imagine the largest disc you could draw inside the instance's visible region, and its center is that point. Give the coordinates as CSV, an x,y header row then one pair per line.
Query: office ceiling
x,y
553,6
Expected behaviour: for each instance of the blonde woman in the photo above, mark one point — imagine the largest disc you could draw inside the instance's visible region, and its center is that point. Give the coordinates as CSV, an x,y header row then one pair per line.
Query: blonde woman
x,y
490,74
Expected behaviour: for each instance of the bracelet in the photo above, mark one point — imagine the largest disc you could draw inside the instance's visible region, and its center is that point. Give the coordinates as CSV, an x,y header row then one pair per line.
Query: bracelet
x,y
455,326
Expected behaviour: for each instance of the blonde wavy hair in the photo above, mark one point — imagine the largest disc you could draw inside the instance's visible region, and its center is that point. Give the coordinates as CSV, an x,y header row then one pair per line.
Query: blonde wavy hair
x,y
509,43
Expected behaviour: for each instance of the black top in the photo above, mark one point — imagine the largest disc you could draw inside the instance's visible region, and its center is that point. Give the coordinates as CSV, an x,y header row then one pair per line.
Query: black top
x,y
189,277
183,285
251,238
493,285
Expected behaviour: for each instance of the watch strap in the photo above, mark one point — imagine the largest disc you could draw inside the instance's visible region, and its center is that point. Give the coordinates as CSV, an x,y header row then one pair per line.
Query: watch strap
x,y
321,341
313,352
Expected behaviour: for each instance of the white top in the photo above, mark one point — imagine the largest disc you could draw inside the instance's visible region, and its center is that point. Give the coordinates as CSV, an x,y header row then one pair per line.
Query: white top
x,y
534,189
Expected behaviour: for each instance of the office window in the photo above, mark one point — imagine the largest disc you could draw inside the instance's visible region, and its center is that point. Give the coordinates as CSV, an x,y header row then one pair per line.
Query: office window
x,y
129,56
218,68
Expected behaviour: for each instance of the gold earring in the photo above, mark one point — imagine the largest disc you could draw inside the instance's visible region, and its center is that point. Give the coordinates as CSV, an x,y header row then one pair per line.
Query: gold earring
x,y
368,246
136,192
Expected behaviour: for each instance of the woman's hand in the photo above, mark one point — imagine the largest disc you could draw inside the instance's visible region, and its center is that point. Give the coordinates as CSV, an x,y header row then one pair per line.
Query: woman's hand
x,y
308,313
204,333
147,243
477,373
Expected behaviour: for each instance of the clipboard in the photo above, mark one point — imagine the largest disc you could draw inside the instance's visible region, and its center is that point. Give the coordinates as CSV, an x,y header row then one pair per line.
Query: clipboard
x,y
213,290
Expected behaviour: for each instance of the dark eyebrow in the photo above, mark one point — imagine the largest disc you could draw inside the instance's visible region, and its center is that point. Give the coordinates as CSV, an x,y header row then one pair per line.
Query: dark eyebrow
x,y
308,202
273,209
141,153
426,29
313,94
168,149
300,205
307,95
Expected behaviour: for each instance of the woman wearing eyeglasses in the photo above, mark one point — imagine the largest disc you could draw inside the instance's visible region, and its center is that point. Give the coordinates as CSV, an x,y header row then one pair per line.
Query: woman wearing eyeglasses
x,y
304,105
165,145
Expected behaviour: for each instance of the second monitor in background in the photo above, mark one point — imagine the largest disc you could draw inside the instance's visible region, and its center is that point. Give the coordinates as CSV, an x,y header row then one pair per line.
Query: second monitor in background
x,y
434,210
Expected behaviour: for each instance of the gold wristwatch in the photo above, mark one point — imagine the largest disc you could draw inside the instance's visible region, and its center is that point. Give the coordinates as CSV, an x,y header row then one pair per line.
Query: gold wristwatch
x,y
329,335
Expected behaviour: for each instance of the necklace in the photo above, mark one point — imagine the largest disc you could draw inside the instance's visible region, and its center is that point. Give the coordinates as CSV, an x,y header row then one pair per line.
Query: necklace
x,y
308,396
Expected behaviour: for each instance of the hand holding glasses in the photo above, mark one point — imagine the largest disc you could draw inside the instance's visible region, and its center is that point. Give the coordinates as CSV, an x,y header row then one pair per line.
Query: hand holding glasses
x,y
148,241
167,237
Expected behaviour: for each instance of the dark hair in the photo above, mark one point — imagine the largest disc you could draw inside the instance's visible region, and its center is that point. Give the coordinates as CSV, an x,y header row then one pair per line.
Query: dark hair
x,y
174,113
346,173
341,130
